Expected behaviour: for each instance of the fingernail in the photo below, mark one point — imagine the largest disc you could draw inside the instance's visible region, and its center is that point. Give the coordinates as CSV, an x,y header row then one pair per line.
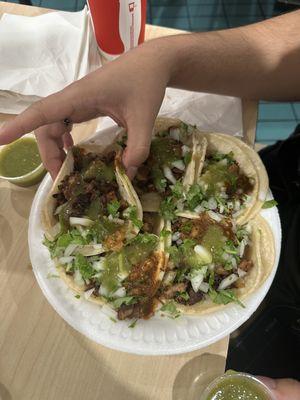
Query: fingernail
x,y
271,383
131,171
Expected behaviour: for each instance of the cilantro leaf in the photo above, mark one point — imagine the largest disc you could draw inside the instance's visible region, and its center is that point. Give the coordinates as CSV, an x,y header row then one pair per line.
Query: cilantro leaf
x,y
269,203
165,233
131,213
186,227
77,296
194,196
84,267
113,207
187,158
133,324
170,308
177,189
124,300
167,208
224,296
184,295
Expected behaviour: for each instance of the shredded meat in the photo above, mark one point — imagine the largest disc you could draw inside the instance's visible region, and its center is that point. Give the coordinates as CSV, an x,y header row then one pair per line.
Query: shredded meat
x,y
200,226
115,241
142,280
194,297
148,223
240,283
245,265
170,292
143,309
222,271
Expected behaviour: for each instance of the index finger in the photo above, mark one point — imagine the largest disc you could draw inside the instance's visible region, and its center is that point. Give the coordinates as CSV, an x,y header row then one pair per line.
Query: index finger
x,y
53,108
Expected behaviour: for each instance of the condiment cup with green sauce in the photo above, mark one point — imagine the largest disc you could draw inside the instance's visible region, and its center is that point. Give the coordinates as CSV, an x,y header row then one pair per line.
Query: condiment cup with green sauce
x,y
237,385
20,162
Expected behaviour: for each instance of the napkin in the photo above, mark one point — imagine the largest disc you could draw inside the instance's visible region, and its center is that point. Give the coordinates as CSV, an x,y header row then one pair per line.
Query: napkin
x,y
41,55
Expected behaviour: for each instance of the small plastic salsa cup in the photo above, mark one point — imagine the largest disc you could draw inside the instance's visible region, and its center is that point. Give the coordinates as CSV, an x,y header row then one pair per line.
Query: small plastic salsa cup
x,y
20,162
236,385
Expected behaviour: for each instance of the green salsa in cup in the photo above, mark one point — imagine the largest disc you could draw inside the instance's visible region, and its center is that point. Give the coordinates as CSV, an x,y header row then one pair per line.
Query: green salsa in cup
x,y
235,386
20,162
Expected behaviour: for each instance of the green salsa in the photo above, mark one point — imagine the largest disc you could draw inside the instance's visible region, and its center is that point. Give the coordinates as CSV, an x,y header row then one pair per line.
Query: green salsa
x,y
215,174
122,261
237,387
19,158
214,241
165,150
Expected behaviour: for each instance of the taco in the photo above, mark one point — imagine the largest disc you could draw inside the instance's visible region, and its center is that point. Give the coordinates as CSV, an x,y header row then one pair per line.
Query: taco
x,y
214,262
96,236
230,180
163,179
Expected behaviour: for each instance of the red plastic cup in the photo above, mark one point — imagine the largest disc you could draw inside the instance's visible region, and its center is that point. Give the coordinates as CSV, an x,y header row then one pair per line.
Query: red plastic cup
x,y
119,25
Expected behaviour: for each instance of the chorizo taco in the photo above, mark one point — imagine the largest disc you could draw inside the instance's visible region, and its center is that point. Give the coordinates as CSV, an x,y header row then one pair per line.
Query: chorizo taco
x,y
230,180
215,262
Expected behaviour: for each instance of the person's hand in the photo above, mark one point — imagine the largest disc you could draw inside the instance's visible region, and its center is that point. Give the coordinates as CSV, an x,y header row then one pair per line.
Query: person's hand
x,y
282,389
129,90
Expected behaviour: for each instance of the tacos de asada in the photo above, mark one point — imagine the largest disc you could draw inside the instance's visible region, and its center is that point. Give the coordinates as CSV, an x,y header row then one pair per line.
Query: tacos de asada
x,y
96,237
230,180
215,262
174,156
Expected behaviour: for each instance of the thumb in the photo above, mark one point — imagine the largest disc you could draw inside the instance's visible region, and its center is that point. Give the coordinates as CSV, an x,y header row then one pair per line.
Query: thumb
x,y
138,146
282,389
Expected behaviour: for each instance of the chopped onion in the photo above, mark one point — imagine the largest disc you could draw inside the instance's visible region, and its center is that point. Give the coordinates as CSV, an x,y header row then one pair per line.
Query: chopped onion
x,y
222,162
179,242
174,133
211,267
78,278
169,278
230,205
180,205
161,275
196,281
66,260
229,280
221,209
212,203
59,208
179,164
70,249
241,272
69,267
237,205
214,216
175,236
87,294
90,249
242,249
204,287
103,291
199,209
168,174
97,275
121,292
80,221
185,149
116,220
202,252
99,265
233,262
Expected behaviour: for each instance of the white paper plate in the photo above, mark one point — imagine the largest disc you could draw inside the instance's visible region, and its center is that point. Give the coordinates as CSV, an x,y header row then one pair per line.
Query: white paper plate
x,y
153,337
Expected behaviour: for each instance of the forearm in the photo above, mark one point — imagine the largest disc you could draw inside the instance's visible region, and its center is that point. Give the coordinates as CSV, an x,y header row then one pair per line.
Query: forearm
x,y
259,61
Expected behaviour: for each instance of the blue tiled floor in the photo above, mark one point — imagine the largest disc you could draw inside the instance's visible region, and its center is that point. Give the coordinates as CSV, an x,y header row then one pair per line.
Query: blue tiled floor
x,y
276,120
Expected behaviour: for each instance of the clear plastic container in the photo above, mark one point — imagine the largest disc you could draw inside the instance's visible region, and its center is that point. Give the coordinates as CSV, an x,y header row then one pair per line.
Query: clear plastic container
x,y
31,178
213,390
